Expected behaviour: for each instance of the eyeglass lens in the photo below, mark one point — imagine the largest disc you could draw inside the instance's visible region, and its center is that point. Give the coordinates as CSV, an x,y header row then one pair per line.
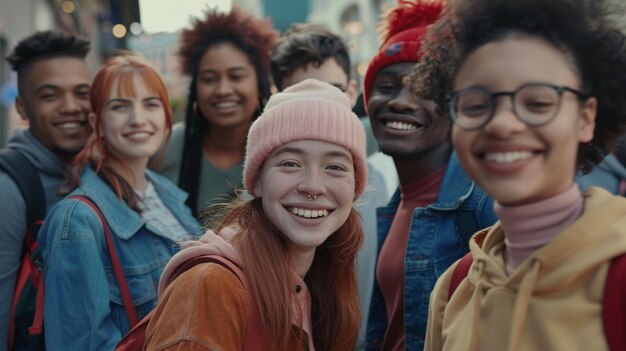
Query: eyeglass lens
x,y
533,104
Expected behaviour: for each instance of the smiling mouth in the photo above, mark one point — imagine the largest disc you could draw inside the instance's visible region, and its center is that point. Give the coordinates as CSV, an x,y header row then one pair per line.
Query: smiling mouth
x,y
507,157
307,213
226,104
139,136
70,125
397,125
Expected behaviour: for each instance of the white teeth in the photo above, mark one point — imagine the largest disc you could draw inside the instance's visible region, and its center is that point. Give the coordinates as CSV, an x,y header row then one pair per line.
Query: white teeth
x,y
507,157
306,213
138,135
226,104
69,125
400,125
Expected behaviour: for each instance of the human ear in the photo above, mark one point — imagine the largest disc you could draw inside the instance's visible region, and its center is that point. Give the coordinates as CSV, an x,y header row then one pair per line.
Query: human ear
x,y
92,120
352,92
20,106
587,120
257,191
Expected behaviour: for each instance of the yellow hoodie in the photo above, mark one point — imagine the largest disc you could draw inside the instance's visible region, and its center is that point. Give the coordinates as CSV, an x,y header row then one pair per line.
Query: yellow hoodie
x,y
553,300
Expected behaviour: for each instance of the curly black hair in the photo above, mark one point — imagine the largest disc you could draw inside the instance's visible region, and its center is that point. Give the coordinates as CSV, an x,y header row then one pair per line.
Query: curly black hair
x,y
255,37
587,31
45,45
304,44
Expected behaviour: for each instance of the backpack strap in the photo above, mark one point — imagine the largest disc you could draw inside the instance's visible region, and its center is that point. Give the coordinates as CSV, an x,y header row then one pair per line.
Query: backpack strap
x,y
614,304
127,299
460,273
254,334
25,175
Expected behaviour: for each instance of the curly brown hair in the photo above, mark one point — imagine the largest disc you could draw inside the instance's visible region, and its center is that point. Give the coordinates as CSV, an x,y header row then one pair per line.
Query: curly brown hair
x,y
255,38
587,31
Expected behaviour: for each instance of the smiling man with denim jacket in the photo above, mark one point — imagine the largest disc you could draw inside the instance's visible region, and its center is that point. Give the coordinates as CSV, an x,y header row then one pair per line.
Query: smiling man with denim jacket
x,y
430,219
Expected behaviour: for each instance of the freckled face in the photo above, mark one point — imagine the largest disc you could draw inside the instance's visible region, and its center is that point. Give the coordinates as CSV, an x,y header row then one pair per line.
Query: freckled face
x,y
306,167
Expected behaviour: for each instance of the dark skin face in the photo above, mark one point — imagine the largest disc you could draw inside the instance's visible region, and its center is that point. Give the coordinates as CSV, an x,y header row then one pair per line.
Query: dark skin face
x,y
54,98
406,127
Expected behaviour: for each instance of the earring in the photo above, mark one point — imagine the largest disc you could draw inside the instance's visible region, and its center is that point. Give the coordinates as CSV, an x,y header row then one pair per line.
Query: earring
x,y
311,198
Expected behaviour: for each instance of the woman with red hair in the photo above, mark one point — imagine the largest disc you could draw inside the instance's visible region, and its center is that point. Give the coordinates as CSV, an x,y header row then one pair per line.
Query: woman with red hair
x,y
295,241
144,213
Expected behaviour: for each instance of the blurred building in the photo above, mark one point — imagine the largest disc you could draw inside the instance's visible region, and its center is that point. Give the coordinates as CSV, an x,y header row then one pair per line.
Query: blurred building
x,y
103,22
160,49
356,22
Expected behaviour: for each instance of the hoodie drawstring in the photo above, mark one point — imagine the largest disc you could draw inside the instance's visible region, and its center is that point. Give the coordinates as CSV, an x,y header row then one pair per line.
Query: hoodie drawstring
x,y
477,297
522,301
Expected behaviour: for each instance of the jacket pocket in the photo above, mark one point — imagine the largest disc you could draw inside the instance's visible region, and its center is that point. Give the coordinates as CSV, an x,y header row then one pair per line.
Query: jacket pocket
x,y
143,285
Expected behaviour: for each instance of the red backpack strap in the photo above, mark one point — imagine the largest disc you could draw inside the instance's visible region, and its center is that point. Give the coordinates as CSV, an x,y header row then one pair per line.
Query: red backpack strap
x,y
614,304
127,299
460,272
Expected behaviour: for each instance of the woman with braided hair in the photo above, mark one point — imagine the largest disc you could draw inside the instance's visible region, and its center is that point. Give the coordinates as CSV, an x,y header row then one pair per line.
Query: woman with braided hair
x,y
227,57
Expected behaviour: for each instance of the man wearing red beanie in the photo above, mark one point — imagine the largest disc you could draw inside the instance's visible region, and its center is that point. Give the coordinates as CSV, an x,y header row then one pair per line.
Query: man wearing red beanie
x,y
427,224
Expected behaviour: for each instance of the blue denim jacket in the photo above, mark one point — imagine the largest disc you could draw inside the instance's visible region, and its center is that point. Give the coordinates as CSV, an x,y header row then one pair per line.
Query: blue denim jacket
x,y
439,235
83,308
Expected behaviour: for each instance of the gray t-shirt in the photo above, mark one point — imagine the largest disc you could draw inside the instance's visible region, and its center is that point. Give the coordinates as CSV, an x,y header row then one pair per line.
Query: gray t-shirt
x,y
217,185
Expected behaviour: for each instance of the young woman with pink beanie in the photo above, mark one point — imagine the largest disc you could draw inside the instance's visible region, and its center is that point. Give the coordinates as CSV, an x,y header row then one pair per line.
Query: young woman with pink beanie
x,y
295,240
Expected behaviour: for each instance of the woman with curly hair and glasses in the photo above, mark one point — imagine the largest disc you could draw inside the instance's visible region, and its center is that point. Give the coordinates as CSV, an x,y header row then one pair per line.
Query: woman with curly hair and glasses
x,y
227,57
536,90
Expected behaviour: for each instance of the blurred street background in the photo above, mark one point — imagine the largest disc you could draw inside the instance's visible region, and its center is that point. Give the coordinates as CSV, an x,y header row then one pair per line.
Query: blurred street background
x,y
152,28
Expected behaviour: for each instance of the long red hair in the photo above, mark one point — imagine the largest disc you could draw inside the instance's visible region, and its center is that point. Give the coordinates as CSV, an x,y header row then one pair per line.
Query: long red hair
x,y
120,70
331,280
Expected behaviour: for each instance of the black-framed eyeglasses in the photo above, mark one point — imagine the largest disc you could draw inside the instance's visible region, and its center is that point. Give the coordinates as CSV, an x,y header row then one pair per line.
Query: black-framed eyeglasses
x,y
534,104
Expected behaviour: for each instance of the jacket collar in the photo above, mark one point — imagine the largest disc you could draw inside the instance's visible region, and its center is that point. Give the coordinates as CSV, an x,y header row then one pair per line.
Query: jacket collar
x,y
455,188
123,221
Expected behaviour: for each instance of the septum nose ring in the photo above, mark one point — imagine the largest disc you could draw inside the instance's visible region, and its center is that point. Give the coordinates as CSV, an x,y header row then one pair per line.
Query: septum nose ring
x,y
311,198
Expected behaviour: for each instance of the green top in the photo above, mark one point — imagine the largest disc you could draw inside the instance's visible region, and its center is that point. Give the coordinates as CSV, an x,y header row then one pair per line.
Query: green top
x,y
217,185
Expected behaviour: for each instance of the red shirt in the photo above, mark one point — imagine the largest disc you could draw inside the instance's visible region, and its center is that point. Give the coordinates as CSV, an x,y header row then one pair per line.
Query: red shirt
x,y
390,264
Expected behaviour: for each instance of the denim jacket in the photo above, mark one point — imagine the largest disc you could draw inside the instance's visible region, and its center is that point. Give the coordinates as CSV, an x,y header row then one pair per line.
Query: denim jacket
x,y
439,235
83,308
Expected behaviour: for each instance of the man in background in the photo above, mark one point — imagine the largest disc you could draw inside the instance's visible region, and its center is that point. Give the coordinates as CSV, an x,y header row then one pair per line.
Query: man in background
x,y
53,96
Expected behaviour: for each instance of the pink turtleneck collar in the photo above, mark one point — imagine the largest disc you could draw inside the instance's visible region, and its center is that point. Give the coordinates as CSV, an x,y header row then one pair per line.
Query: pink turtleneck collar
x,y
529,227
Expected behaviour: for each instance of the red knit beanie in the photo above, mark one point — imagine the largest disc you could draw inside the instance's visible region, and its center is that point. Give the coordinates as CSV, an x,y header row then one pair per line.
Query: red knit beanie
x,y
401,31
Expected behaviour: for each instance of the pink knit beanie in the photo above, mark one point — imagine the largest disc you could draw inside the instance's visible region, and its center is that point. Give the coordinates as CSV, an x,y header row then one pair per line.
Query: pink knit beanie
x,y
309,110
